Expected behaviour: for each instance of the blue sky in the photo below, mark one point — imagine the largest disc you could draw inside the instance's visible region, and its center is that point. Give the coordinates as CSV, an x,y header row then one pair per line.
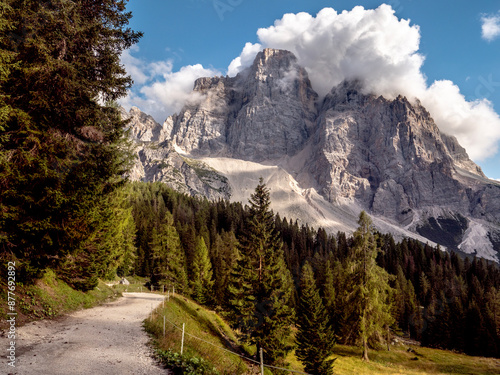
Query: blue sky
x,y
184,39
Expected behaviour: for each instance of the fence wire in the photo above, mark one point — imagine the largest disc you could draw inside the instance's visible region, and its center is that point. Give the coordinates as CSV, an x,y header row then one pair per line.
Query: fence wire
x,y
226,361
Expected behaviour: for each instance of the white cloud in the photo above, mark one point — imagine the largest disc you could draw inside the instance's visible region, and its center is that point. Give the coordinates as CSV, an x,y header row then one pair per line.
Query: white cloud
x,y
245,59
381,51
372,46
475,124
369,45
159,91
490,26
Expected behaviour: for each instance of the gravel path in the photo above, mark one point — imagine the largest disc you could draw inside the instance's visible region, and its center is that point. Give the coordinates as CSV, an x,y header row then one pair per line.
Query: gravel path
x,y
107,340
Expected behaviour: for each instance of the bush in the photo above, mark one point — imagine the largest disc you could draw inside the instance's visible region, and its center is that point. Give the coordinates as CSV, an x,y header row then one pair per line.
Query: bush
x,y
184,365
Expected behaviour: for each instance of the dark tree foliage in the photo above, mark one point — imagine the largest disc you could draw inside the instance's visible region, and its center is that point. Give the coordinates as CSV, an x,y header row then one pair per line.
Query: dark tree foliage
x,y
315,338
61,150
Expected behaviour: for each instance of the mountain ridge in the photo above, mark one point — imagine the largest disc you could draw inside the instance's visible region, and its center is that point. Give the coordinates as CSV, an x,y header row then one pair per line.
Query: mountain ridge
x,y
348,150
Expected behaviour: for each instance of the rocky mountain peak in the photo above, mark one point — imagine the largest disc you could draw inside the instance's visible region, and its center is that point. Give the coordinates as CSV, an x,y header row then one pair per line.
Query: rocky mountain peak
x,y
233,116
386,156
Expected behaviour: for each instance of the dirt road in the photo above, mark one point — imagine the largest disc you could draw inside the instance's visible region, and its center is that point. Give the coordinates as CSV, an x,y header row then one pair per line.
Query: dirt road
x,y
107,340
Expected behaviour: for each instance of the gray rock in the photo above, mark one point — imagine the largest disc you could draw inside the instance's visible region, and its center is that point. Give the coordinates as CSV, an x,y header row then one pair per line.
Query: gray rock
x,y
387,157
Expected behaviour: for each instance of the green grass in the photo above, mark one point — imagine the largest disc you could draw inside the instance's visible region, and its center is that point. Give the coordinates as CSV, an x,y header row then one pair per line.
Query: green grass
x,y
212,332
210,327
420,361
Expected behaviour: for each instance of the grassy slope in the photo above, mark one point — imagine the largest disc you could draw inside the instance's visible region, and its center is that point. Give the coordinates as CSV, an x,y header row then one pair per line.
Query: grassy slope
x,y
206,325
210,327
51,297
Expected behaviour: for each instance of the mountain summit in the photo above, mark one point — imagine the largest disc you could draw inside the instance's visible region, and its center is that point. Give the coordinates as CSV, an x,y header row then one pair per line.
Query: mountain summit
x,y
324,160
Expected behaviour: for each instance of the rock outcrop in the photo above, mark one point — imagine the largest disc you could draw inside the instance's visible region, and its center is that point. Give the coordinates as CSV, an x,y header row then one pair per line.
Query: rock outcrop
x,y
386,156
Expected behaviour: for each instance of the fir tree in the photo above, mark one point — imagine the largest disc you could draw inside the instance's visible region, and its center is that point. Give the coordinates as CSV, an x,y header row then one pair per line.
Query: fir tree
x,y
168,261
201,282
261,286
315,338
61,151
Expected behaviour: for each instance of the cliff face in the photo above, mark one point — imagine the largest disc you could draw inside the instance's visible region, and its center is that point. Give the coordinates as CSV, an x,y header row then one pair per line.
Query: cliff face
x,y
263,114
387,157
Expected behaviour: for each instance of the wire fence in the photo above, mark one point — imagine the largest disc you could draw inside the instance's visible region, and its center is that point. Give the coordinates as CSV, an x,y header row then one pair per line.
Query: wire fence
x,y
175,337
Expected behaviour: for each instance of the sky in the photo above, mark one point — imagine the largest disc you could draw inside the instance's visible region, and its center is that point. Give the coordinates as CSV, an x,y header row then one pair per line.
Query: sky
x,y
446,53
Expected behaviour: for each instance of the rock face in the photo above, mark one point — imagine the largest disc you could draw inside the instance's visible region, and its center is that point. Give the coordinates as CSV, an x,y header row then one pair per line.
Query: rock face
x,y
157,160
263,114
387,157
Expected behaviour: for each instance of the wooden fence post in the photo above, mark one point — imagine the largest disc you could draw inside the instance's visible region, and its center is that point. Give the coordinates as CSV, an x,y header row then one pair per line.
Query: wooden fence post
x,y
182,341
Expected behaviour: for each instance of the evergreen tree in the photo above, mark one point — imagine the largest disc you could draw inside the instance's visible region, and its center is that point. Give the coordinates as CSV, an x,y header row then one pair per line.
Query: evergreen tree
x,y
168,261
315,338
261,286
201,283
225,253
61,151
371,293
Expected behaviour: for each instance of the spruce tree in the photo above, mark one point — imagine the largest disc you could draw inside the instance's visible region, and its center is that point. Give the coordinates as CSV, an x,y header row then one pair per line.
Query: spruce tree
x,y
201,282
315,337
261,286
167,256
61,151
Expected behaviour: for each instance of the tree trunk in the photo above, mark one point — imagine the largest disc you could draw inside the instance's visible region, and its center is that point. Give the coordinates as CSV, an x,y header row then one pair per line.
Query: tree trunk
x,y
365,350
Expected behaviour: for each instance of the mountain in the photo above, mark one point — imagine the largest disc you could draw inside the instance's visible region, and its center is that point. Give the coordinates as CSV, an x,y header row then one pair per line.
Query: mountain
x,y
324,159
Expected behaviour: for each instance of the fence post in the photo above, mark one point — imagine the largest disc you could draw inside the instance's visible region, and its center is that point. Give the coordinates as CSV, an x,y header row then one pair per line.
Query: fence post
x,y
163,289
163,325
261,362
173,291
182,341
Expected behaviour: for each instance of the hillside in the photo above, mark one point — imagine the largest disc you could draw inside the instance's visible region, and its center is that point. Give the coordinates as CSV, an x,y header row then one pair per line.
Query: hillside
x,y
210,338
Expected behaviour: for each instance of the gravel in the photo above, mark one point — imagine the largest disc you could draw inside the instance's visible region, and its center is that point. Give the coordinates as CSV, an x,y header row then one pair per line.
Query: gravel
x,y
108,339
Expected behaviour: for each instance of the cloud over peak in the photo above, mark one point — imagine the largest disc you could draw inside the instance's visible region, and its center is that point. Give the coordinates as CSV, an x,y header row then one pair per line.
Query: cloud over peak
x,y
381,51
372,46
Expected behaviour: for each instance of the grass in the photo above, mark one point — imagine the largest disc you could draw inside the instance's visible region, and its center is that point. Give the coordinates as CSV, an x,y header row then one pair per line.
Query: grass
x,y
207,325
206,334
418,361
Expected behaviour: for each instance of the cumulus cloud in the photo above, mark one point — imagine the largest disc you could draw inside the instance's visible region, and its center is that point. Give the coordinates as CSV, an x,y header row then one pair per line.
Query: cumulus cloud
x,y
475,123
369,45
372,46
490,26
159,91
382,51
245,59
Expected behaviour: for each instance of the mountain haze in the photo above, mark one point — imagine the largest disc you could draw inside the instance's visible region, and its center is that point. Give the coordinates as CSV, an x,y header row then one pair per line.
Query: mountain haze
x,y
325,159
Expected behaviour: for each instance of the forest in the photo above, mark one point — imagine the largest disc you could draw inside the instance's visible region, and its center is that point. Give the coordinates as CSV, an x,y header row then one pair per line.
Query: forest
x,y
430,295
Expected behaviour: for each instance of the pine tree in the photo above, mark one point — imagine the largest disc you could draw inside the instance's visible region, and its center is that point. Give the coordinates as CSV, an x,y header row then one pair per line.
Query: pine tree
x,y
261,286
315,338
371,293
201,282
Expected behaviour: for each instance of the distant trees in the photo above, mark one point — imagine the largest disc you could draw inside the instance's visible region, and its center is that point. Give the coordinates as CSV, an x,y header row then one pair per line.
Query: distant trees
x,y
61,151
